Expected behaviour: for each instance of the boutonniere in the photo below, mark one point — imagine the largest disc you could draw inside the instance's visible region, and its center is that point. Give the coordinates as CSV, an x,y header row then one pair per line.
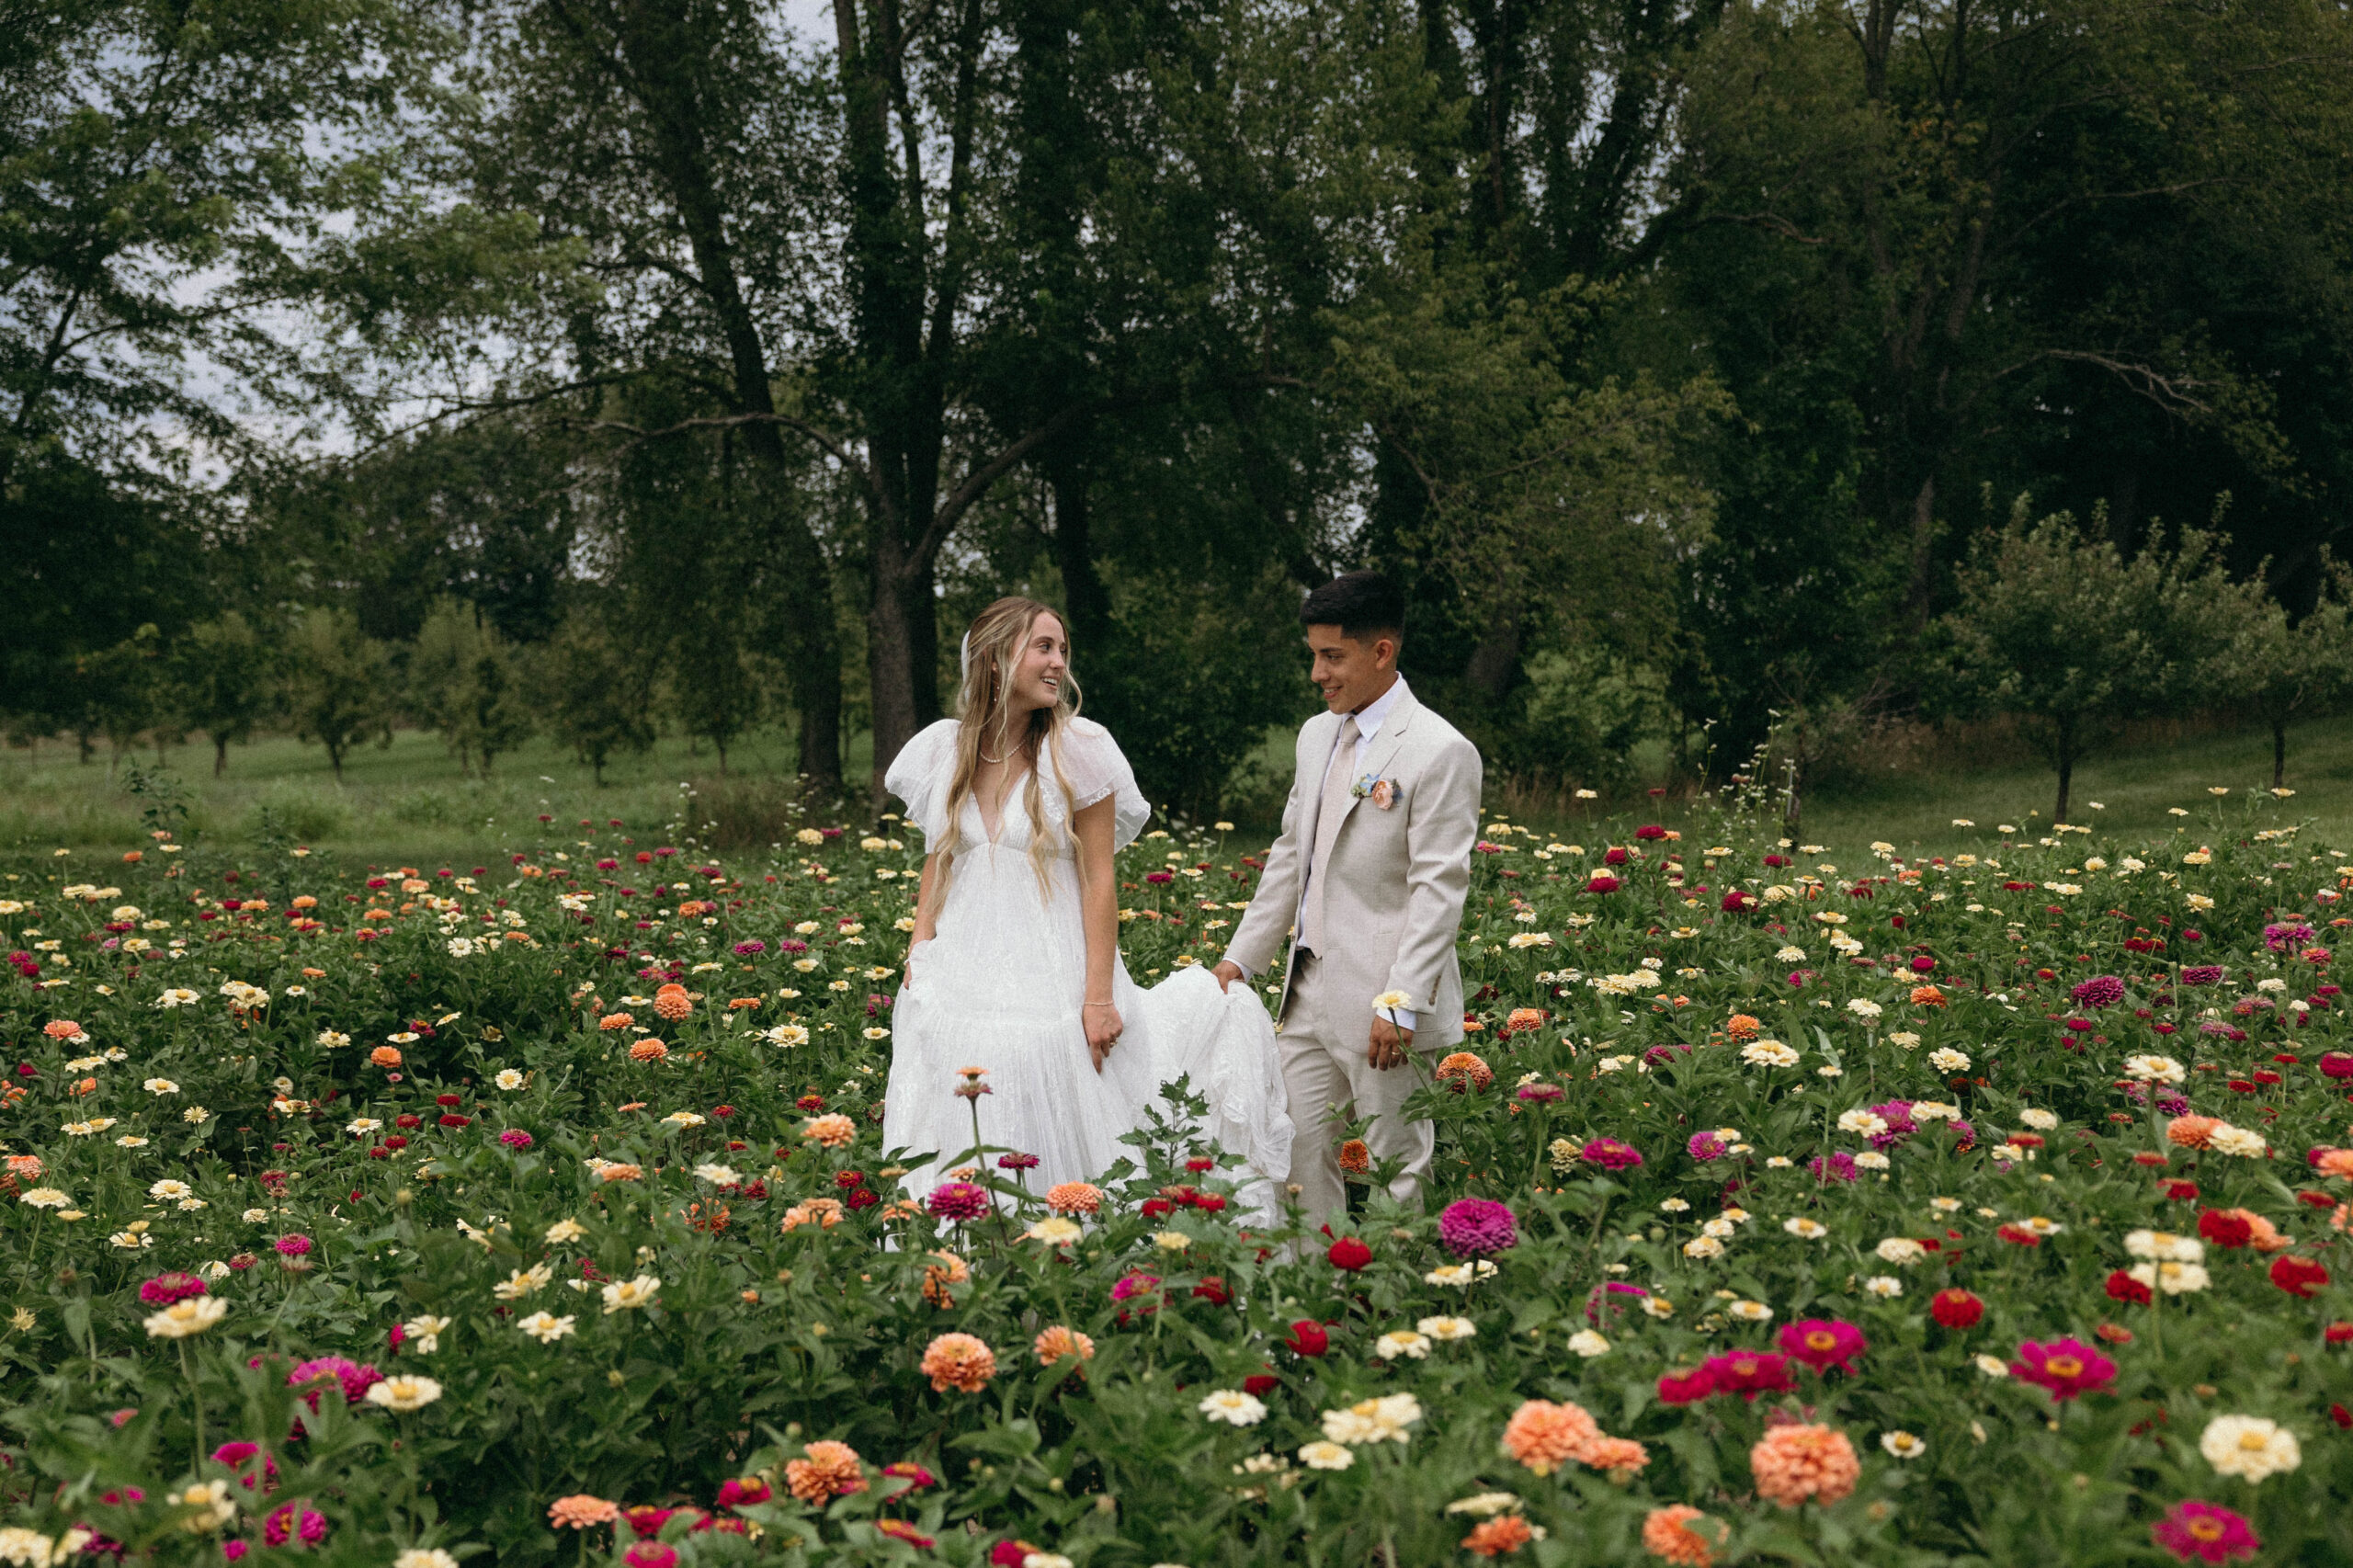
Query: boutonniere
x,y
1381,792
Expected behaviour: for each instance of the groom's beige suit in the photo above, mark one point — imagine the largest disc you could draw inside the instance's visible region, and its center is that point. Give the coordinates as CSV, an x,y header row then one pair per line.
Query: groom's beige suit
x,y
1374,894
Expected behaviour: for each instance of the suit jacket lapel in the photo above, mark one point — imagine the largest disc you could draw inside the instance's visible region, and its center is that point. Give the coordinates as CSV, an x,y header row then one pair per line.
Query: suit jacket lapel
x,y
1382,751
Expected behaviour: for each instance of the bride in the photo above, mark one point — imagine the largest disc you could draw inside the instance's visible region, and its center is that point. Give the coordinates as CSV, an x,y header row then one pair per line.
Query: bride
x,y
1015,964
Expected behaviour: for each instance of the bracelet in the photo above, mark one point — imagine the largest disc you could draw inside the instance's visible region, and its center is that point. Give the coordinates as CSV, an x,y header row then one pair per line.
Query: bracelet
x,y
1098,1004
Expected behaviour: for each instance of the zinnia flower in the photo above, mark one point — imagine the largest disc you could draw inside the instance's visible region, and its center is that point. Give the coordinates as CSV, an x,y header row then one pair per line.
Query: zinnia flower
x,y
1612,1153
1465,1069
957,1200
1495,1537
1074,1197
1477,1227
2068,1368
1796,1462
1749,1373
581,1510
1823,1343
1956,1307
1053,1343
2205,1532
831,1469
1682,1535
959,1361
2249,1445
1544,1435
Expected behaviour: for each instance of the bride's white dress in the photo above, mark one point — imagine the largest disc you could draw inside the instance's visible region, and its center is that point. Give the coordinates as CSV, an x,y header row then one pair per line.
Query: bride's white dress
x,y
1002,982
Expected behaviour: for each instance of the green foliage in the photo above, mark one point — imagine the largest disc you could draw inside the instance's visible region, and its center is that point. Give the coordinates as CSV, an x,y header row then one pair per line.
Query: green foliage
x,y
463,682
2288,670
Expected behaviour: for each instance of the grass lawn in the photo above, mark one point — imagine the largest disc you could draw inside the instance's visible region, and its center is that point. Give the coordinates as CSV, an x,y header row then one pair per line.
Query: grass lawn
x,y
412,801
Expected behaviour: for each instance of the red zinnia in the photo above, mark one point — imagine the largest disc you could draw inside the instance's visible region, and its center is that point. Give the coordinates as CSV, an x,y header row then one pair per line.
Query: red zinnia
x,y
1685,1388
1308,1337
1349,1253
2122,1286
2298,1276
1957,1308
2224,1229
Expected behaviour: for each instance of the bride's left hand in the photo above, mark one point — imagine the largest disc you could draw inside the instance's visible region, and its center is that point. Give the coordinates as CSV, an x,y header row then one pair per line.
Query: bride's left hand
x,y
1104,1026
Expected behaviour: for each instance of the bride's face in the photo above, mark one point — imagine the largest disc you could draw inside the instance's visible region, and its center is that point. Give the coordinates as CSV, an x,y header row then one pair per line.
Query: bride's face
x,y
1041,667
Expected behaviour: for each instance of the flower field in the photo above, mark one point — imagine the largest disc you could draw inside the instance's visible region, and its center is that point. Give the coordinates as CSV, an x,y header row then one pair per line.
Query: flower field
x,y
1981,1209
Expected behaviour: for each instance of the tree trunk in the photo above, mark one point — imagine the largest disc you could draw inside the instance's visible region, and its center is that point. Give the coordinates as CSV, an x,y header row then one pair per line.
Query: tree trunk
x,y
2066,775
890,650
1922,592
1085,598
2278,752
220,756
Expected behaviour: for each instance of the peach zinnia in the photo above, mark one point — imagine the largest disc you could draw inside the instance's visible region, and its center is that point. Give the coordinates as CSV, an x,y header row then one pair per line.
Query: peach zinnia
x,y
1797,1462
1743,1027
61,1028
671,1002
1682,1535
1465,1067
582,1510
1074,1197
2191,1131
937,1277
616,1021
959,1361
833,1130
832,1470
647,1051
1620,1456
823,1212
385,1056
1543,1435
1052,1344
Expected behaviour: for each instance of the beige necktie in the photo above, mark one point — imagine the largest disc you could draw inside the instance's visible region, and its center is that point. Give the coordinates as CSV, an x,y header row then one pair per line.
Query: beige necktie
x,y
1339,778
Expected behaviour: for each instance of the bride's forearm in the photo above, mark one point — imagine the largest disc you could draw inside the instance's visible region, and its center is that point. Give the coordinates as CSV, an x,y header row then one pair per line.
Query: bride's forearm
x,y
1098,897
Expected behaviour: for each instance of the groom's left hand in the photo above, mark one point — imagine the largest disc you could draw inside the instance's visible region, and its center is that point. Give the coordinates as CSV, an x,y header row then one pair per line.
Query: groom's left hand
x,y
1390,1044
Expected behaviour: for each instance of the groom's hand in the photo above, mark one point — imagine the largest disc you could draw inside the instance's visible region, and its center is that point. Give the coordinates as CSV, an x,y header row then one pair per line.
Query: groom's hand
x,y
1390,1044
1227,973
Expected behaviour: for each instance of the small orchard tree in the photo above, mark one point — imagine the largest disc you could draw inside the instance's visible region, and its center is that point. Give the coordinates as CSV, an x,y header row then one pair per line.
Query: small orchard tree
x,y
2289,671
462,681
2073,638
598,694
222,683
337,683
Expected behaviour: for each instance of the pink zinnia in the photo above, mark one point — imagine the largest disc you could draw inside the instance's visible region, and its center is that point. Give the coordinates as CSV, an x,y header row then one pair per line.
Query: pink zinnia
x,y
356,1379
958,1200
2068,1368
1612,1153
1705,1146
2204,1532
516,1138
1824,1342
1749,1373
1685,1388
294,1246
165,1289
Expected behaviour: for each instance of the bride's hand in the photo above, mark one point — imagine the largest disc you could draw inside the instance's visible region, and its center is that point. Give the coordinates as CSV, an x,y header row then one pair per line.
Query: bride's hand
x,y
1104,1026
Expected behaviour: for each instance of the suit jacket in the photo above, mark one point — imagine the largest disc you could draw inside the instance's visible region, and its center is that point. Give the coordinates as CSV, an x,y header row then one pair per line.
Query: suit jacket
x,y
1394,887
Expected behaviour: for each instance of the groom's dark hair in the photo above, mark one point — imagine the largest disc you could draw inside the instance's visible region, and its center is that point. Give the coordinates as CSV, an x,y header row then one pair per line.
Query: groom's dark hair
x,y
1363,604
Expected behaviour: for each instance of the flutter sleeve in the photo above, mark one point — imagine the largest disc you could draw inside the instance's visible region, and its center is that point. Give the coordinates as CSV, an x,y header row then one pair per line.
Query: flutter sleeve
x,y
919,775
1097,769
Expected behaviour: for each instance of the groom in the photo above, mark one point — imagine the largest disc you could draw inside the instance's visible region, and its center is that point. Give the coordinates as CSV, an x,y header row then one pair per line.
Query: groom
x,y
1368,877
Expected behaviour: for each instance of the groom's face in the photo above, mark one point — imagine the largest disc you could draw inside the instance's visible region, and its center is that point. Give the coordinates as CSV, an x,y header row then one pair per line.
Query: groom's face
x,y
1351,671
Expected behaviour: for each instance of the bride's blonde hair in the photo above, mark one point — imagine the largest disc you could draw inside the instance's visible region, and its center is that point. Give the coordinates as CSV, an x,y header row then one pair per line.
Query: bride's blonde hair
x,y
991,648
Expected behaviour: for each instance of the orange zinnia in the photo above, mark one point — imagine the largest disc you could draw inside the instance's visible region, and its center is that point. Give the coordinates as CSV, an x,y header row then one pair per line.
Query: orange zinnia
x,y
616,1021
672,1002
1927,996
1074,1197
1743,1027
1354,1158
1466,1066
647,1051
385,1056
1682,1535
2191,1131
1494,1538
1052,1344
582,1510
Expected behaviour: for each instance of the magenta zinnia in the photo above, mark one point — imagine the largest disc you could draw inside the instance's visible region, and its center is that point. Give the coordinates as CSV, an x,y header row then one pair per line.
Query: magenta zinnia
x,y
958,1200
1824,1342
2068,1368
2198,1531
1477,1227
1612,1153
